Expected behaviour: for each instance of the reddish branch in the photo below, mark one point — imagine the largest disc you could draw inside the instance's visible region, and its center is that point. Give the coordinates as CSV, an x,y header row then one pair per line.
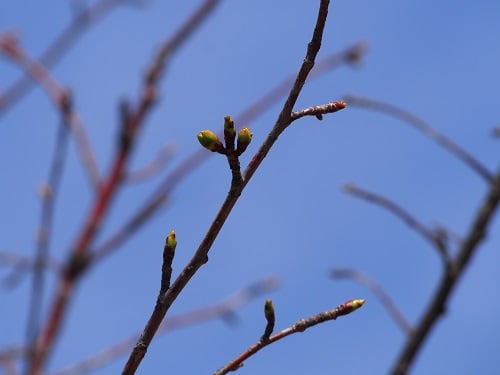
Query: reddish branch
x,y
438,303
299,326
201,255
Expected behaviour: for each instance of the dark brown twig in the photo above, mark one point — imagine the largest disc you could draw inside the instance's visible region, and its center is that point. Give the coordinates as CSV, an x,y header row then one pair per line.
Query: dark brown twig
x,y
201,255
434,237
425,128
437,304
220,310
299,326
378,291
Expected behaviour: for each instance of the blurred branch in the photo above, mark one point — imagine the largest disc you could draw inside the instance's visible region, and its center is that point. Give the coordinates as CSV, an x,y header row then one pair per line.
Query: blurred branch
x,y
438,303
496,132
58,48
436,238
62,100
237,187
299,326
153,168
222,310
44,236
423,127
378,291
79,258
21,265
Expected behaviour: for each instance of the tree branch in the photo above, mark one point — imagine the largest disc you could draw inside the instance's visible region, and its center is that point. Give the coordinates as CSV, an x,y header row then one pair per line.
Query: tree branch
x,y
299,326
438,303
201,255
425,128
436,238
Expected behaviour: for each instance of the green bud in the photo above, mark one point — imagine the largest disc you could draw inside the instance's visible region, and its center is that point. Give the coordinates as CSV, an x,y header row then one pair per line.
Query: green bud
x,y
269,310
171,242
209,140
229,126
244,139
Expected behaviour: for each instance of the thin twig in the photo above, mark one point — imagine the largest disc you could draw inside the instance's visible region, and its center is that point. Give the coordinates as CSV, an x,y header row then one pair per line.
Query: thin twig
x,y
58,48
188,165
434,237
299,326
378,291
319,110
45,235
61,99
201,255
438,303
221,310
425,128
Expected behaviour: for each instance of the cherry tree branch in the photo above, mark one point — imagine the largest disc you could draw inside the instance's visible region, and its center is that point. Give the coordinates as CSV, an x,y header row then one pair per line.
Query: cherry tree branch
x,y
298,327
225,310
201,255
161,195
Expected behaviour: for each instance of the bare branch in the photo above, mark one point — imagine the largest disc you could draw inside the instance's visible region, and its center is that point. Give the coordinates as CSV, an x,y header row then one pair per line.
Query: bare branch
x,y
299,326
436,238
425,128
378,291
201,255
437,305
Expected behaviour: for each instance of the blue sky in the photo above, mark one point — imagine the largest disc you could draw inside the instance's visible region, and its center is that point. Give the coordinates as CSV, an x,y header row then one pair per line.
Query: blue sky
x,y
439,61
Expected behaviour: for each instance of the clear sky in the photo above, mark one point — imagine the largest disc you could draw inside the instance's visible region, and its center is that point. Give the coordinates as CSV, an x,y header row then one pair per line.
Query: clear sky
x,y
439,60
